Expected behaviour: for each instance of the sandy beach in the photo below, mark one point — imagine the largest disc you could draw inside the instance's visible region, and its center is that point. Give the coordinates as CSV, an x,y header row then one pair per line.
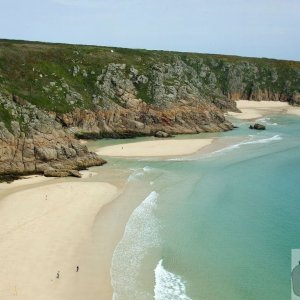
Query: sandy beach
x,y
47,229
157,148
49,225
257,109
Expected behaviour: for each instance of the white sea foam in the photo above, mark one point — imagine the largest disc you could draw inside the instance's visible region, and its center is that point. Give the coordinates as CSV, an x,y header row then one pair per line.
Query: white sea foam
x,y
147,169
251,141
141,233
264,141
168,286
266,121
136,173
180,159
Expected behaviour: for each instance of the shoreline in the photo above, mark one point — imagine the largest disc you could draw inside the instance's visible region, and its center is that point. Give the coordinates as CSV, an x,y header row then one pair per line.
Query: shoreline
x,y
251,110
68,232
110,236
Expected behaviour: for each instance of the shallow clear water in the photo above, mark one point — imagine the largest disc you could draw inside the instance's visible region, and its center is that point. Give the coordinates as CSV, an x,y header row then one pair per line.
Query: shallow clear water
x,y
215,226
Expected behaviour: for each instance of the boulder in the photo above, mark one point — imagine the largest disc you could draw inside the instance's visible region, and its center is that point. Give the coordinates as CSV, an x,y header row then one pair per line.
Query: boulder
x,y
56,173
74,173
257,126
61,173
161,134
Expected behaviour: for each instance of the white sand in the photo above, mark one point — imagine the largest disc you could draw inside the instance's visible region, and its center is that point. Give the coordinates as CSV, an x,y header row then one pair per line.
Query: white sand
x,y
257,109
156,148
40,235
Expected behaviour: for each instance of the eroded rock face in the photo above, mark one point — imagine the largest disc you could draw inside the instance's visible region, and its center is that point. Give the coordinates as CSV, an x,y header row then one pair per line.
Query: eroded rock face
x,y
62,173
43,145
146,119
44,141
37,152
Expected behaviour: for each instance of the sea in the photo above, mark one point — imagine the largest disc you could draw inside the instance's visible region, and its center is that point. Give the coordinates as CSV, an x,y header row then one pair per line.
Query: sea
x,y
217,225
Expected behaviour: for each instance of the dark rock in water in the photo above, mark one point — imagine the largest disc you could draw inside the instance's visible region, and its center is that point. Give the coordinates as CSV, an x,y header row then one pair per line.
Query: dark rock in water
x,y
257,126
161,134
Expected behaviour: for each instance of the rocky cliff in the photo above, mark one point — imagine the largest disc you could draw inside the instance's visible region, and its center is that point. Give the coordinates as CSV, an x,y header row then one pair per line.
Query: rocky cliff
x,y
34,142
51,92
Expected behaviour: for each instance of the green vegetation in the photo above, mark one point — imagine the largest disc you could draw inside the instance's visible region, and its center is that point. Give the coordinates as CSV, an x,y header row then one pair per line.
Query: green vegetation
x,y
144,93
61,77
5,116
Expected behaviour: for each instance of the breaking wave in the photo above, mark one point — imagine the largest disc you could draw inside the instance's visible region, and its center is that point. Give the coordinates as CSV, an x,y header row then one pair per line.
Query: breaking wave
x,y
251,141
141,233
168,286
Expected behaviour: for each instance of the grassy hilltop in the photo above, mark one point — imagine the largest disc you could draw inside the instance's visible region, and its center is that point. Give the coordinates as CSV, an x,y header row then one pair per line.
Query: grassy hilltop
x,y
60,77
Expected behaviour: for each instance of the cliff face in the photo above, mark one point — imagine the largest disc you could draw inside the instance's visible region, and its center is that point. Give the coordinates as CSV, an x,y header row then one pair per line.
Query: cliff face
x,y
143,119
33,142
50,92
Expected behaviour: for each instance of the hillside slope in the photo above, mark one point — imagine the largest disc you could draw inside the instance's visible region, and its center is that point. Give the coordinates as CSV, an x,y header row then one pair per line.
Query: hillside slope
x,y
49,92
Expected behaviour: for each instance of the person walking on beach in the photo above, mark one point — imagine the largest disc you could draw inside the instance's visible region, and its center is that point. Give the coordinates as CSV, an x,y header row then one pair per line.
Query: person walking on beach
x,y
57,275
77,268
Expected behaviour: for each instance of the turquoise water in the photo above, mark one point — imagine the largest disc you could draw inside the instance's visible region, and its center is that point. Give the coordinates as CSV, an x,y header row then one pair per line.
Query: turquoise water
x,y
215,226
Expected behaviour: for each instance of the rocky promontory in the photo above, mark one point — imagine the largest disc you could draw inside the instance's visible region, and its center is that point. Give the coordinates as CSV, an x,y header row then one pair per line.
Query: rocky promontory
x,y
51,94
34,142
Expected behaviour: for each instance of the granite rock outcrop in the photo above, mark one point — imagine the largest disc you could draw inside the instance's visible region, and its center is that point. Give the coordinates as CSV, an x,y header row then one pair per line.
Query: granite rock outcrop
x,y
40,143
52,94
